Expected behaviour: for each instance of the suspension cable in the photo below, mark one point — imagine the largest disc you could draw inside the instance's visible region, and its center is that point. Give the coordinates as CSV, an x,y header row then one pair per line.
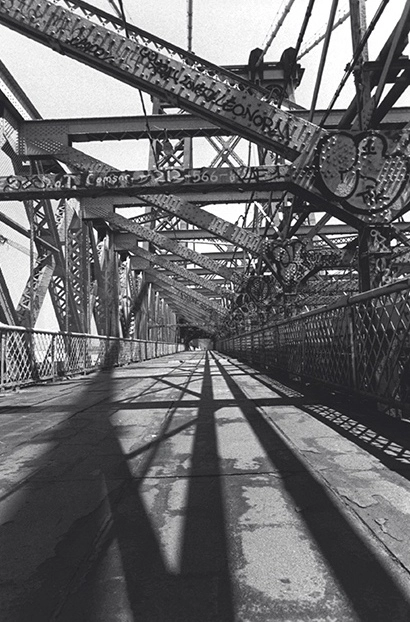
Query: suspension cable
x,y
121,14
316,39
325,49
299,42
302,33
276,29
350,67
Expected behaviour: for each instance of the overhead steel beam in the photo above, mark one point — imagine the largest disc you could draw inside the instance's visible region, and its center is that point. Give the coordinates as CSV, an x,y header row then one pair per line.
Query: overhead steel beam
x,y
216,257
145,182
226,230
162,261
35,136
197,234
153,187
14,98
165,71
191,312
188,294
301,181
119,223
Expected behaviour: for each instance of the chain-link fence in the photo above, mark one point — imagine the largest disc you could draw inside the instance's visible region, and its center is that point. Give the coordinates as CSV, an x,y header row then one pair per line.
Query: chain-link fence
x,y
28,356
360,344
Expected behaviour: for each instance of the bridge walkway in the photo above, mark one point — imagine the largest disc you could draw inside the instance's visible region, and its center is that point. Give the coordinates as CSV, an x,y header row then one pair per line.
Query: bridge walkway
x,y
194,488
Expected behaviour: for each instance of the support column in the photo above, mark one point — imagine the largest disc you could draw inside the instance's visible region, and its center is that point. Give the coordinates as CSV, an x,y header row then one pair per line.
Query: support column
x,y
362,78
375,256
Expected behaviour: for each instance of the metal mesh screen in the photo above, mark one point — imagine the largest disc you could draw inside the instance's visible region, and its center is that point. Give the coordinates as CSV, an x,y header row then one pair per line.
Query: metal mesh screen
x,y
360,344
31,356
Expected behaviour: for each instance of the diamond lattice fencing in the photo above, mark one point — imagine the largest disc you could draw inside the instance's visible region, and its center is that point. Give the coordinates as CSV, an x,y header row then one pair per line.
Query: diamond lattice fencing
x,y
360,345
29,356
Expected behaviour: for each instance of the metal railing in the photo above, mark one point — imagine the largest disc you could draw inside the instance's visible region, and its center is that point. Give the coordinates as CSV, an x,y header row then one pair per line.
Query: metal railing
x,y
360,345
30,356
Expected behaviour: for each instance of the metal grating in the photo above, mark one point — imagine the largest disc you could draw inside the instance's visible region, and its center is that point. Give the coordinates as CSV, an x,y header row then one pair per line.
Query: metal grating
x,y
29,356
359,345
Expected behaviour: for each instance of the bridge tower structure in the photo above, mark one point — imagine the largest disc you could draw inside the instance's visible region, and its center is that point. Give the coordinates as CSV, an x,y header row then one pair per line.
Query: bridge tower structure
x,y
322,203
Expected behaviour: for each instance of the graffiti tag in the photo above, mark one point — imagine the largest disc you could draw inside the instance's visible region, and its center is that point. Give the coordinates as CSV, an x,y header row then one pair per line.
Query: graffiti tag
x,y
186,82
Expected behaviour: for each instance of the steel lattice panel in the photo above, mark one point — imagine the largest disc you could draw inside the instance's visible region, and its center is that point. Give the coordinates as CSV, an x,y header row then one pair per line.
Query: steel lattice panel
x,y
383,345
327,347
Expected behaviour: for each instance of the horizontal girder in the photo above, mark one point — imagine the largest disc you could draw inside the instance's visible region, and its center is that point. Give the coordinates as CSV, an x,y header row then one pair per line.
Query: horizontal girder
x,y
37,136
155,181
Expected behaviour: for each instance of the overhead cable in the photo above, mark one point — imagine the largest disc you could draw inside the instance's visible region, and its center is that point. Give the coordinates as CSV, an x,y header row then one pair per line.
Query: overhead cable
x,y
318,37
323,58
355,58
314,41
302,32
121,14
276,29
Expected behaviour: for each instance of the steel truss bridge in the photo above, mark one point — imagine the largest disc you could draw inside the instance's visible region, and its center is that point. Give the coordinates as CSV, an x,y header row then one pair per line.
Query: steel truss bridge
x,y
311,278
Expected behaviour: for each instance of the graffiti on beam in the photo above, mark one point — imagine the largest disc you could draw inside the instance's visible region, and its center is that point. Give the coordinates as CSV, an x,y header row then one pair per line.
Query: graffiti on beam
x,y
132,180
22,186
365,172
190,80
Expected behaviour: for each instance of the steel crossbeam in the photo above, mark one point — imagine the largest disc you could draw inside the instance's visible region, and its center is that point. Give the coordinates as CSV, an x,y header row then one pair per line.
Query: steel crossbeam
x,y
36,138
192,312
112,182
186,293
155,181
99,179
120,223
192,316
163,262
95,169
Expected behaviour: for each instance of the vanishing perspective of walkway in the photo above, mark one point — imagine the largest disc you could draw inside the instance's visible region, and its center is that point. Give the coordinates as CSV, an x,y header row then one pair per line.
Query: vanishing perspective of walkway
x,y
193,488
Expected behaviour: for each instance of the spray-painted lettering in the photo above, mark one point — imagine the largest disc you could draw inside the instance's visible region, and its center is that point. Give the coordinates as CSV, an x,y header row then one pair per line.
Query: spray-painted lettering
x,y
187,81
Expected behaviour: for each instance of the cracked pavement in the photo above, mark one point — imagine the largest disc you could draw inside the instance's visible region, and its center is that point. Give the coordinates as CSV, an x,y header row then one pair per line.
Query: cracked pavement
x,y
194,488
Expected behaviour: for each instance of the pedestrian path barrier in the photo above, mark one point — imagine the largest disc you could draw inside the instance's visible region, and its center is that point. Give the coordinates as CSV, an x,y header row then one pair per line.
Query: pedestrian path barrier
x,y
29,356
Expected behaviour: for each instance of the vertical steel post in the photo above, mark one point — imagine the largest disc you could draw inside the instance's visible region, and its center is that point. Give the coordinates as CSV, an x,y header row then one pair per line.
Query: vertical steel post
x,y
190,20
353,356
362,78
3,370
323,58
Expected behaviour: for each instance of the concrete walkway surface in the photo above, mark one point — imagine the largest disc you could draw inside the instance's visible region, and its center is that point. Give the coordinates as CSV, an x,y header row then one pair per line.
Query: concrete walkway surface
x,y
193,488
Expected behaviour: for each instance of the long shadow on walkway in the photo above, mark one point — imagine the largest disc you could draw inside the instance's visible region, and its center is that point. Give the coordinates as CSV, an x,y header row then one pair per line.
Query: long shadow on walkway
x,y
374,594
383,436
131,578
58,515
76,541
